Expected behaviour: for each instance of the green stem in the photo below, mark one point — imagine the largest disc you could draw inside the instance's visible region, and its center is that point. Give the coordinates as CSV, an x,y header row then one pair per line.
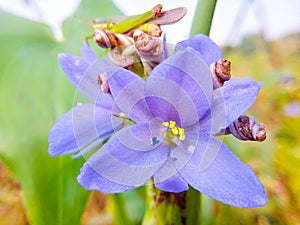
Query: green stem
x,y
203,17
165,208
116,206
193,207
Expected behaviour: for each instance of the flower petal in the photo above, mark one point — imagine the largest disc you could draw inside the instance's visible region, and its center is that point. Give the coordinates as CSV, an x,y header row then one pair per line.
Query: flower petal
x,y
193,79
87,82
75,66
179,156
132,145
205,47
174,184
232,100
83,73
77,129
226,179
105,100
118,172
167,177
88,53
91,180
167,101
128,91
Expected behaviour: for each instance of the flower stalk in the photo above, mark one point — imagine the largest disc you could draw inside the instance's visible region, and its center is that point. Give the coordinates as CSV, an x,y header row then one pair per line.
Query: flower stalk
x,y
117,208
203,17
165,208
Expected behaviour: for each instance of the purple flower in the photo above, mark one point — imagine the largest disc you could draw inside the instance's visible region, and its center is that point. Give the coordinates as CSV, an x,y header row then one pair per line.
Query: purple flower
x,y
177,112
88,124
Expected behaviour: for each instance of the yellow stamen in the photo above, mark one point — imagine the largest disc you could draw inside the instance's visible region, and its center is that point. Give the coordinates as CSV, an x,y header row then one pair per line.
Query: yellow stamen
x,y
175,130
181,133
181,137
172,124
165,124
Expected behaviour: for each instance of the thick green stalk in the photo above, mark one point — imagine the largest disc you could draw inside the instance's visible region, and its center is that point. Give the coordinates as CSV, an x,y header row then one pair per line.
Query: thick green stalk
x,y
117,207
165,208
203,17
193,207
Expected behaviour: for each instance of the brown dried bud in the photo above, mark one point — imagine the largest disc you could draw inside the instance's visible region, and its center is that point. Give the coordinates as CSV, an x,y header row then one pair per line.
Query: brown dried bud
x,y
220,72
102,81
123,56
245,128
151,29
157,9
105,38
108,39
149,47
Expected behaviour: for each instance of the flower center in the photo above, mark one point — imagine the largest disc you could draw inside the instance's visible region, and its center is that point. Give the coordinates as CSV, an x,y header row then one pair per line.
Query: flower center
x,y
173,131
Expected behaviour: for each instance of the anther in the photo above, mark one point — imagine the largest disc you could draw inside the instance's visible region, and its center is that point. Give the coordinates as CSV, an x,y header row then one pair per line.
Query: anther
x,y
177,131
172,124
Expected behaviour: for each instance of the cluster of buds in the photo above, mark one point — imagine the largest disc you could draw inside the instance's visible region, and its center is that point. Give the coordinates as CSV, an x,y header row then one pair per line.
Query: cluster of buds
x,y
138,46
134,42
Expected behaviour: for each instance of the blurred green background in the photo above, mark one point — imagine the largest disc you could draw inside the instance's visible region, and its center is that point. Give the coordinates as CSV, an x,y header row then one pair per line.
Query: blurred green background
x,y
38,189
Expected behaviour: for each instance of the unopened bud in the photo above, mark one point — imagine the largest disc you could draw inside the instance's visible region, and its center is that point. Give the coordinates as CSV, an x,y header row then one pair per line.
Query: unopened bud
x,y
102,81
157,9
245,128
123,56
220,72
151,29
148,47
108,39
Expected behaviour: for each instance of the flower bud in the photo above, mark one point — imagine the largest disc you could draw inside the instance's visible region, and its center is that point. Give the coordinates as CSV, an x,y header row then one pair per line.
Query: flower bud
x,y
151,29
123,56
109,39
245,128
102,81
220,72
148,47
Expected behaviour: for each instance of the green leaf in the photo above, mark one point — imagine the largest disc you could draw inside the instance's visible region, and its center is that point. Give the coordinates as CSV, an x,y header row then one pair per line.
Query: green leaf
x,y
34,93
